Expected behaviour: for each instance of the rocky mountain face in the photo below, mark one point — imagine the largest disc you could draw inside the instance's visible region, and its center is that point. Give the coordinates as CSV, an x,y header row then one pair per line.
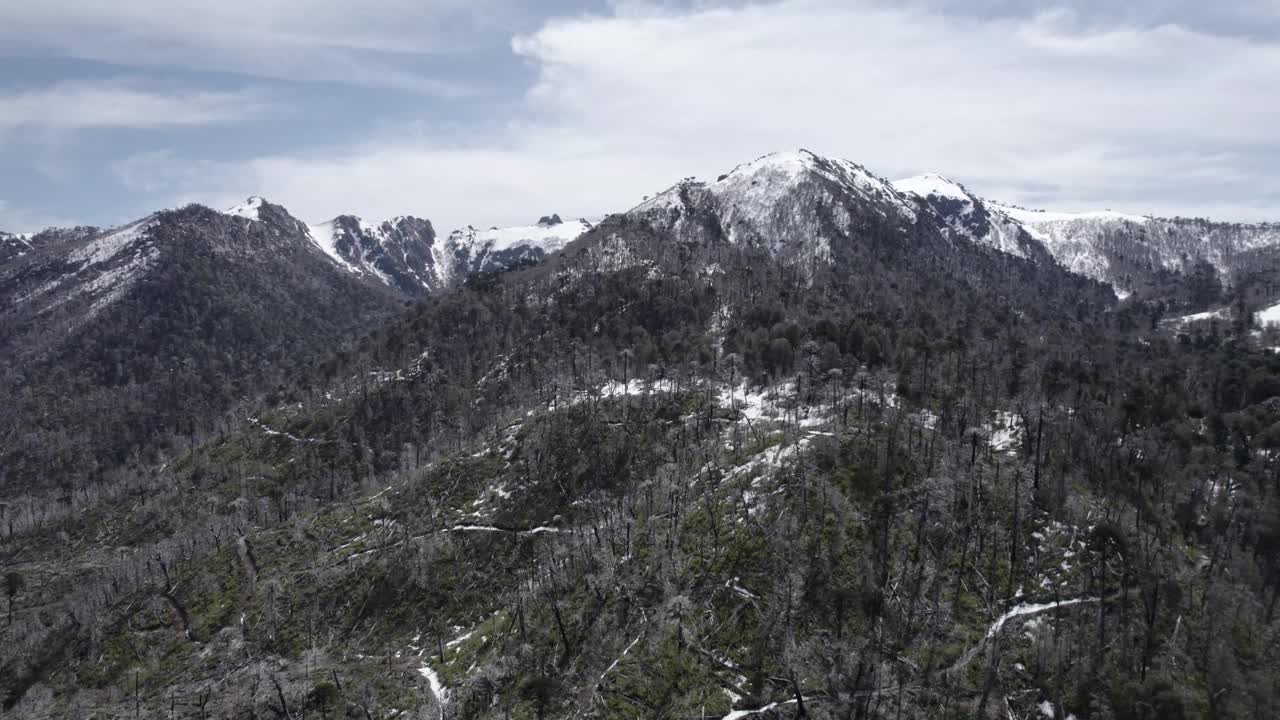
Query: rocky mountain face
x,y
402,253
969,217
795,442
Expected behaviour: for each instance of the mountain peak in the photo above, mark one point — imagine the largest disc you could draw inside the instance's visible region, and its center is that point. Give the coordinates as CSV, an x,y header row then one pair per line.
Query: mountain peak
x,y
250,208
550,220
932,184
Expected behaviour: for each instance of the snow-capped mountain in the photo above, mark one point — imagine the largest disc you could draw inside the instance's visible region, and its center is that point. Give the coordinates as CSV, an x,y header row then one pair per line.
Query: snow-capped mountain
x,y
68,277
1124,250
1120,248
472,251
1078,240
402,253
398,253
970,217
793,204
405,254
803,207
796,203
819,220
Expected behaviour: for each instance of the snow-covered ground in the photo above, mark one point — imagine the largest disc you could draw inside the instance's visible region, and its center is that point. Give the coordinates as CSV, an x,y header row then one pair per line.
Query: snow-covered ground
x,y
1268,317
932,184
1219,314
1045,218
438,689
1004,431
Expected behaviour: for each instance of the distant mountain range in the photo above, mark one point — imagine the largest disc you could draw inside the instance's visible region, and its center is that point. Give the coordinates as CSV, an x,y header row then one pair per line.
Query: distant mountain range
x,y
1125,251
258,280
1128,252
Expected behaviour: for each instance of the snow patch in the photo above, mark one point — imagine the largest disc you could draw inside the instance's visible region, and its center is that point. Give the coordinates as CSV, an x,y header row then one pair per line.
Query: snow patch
x,y
104,248
437,687
1046,217
549,238
1031,609
1219,314
250,209
736,714
1268,317
325,237
932,184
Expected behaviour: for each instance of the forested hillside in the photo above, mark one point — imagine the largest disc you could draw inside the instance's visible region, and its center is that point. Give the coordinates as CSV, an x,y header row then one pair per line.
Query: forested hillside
x,y
117,342
784,445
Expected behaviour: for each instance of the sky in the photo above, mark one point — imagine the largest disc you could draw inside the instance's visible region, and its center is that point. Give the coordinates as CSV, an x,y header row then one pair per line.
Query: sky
x,y
496,112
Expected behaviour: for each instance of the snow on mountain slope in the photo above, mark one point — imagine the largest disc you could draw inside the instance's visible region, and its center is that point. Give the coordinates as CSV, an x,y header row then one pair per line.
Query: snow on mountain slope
x,y
1121,248
792,204
469,250
250,208
108,246
970,217
933,184
1074,239
1268,317
399,252
405,254
548,237
325,236
749,191
1046,218
100,269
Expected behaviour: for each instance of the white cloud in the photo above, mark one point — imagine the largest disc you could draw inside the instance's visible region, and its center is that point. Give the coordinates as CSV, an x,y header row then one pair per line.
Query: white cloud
x,y
119,104
1150,119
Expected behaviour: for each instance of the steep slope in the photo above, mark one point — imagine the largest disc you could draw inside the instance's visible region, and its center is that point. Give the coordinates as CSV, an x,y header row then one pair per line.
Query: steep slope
x,y
970,217
401,253
112,338
1129,251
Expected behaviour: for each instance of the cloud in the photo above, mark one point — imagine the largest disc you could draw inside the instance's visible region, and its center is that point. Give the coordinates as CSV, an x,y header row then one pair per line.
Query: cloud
x,y
78,105
1050,108
375,43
